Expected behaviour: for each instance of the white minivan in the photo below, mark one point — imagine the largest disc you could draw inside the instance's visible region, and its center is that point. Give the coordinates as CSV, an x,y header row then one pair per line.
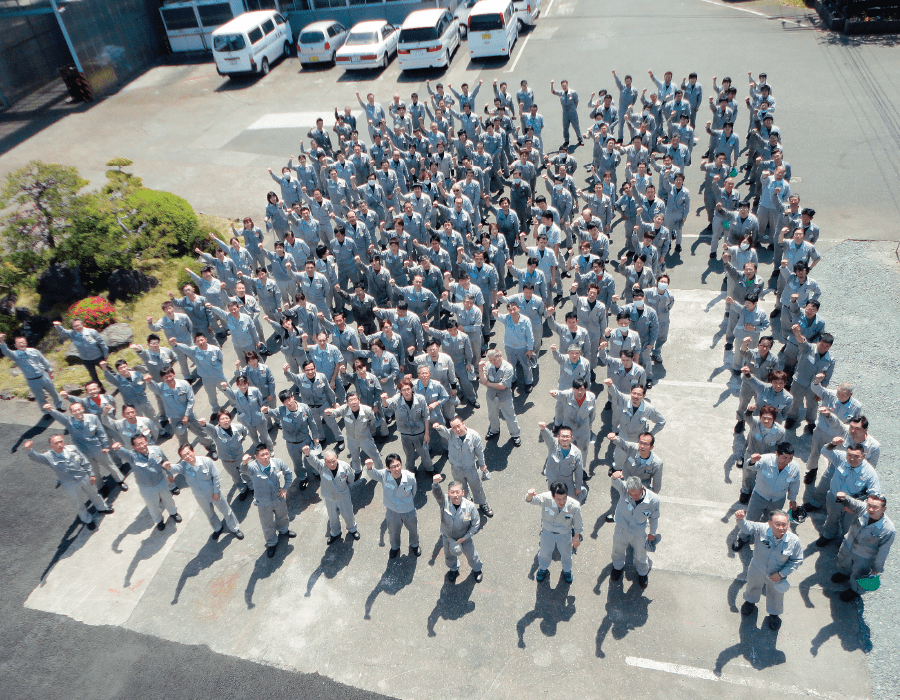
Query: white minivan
x,y
493,28
251,42
428,39
528,11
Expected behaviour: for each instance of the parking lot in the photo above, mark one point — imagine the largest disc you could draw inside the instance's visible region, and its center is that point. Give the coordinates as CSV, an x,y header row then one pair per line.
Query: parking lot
x,y
400,629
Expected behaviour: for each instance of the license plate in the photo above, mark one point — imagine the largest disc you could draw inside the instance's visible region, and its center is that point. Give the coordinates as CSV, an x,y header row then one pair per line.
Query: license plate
x,y
485,36
354,59
313,59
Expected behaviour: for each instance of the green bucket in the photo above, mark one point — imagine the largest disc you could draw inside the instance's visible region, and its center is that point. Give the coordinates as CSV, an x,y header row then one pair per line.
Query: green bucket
x,y
869,583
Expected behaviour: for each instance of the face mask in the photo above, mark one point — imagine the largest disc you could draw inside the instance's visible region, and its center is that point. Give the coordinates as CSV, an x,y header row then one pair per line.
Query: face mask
x,y
557,187
516,181
639,303
623,331
745,246
663,286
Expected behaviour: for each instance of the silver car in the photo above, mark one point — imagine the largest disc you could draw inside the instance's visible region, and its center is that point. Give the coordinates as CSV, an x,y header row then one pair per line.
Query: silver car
x,y
319,41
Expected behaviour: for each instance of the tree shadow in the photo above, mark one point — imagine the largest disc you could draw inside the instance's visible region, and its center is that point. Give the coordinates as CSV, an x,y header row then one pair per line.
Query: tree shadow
x,y
551,606
397,576
264,568
757,646
625,610
453,603
209,554
336,558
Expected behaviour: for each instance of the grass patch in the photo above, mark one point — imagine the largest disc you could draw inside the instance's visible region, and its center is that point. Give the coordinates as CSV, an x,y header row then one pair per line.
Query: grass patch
x,y
133,312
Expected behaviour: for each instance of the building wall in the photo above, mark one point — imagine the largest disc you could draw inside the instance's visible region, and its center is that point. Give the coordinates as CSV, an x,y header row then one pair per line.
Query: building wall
x,y
31,51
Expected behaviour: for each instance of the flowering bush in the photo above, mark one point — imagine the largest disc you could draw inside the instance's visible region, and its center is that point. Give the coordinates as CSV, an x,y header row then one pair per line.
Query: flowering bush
x,y
95,312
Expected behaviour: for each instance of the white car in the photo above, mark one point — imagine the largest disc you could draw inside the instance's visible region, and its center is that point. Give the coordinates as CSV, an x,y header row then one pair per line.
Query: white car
x,y
369,44
319,41
462,14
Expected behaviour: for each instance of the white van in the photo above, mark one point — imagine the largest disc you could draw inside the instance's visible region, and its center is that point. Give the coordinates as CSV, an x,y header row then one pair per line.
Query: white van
x,y
428,39
251,42
493,28
527,11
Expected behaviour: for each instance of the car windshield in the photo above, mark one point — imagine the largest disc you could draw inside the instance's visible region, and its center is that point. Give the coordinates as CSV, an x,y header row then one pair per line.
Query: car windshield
x,y
312,38
229,42
416,34
361,38
485,23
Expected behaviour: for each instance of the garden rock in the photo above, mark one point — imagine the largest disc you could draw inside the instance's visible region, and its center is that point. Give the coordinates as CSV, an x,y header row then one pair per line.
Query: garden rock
x,y
124,284
60,284
73,389
34,327
117,336
6,395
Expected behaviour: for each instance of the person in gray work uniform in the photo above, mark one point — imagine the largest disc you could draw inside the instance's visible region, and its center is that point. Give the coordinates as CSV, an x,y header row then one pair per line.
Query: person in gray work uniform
x,y
569,101
634,416
299,430
398,496
314,391
147,464
459,524
131,386
34,367
564,462
866,545
466,457
412,415
359,425
208,361
251,407
561,527
91,439
498,376
271,480
178,404
777,479
636,513
244,335
89,345
229,436
74,474
337,477
177,326
777,553
203,478
640,461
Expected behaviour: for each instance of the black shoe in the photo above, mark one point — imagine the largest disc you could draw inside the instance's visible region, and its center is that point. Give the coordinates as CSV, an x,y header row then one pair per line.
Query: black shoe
x,y
394,553
486,509
810,476
810,427
161,525
177,518
91,526
175,491
491,436
108,511
242,496
775,314
216,534
122,486
737,545
739,426
729,346
774,623
849,595
610,518
452,576
744,498
823,541
616,574
270,551
810,508
475,404
338,447
748,608
354,534
478,576
290,534
678,248
643,581
790,424
712,256
238,535
839,578
417,550
332,539
213,455
517,441
304,484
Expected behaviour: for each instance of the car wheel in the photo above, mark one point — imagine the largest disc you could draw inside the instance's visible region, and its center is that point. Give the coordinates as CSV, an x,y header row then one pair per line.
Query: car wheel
x,y
521,27
384,60
286,52
264,66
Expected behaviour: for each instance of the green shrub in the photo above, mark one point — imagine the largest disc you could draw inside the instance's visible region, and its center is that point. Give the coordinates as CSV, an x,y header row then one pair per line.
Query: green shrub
x,y
183,277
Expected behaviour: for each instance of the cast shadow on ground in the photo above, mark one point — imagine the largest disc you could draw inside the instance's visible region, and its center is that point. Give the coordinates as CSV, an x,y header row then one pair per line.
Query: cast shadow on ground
x,y
453,603
551,606
625,610
756,645
209,554
397,576
265,567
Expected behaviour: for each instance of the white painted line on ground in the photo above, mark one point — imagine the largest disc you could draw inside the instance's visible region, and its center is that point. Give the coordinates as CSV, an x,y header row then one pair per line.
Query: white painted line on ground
x,y
292,120
701,385
706,675
694,503
752,12
521,51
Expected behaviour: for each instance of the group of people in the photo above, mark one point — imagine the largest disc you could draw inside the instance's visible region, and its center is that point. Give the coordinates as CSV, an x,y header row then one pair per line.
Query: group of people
x,y
391,264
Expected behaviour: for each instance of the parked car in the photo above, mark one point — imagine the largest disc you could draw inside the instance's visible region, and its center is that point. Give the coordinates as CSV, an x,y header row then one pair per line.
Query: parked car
x,y
318,42
368,44
494,28
527,11
428,39
251,42
462,15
